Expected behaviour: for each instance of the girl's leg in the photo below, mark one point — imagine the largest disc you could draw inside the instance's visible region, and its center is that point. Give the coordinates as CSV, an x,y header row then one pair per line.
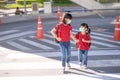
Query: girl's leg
x,y
85,57
63,55
68,53
80,57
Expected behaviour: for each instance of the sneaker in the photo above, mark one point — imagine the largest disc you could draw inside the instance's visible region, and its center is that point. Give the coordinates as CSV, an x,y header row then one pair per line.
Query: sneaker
x,y
80,64
68,65
63,70
84,67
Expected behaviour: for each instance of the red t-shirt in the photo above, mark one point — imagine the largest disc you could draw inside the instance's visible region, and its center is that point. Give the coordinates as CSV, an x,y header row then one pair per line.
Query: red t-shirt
x,y
83,45
64,32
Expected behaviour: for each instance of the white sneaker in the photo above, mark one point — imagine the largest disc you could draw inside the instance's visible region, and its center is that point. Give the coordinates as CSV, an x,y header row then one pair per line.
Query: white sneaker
x,y
68,65
63,70
80,64
84,67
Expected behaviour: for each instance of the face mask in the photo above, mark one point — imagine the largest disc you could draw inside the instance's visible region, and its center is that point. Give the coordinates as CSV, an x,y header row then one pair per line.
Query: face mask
x,y
81,29
69,21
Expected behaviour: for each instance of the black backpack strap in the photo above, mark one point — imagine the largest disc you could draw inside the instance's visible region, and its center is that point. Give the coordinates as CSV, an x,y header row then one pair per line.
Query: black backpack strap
x,y
78,34
58,29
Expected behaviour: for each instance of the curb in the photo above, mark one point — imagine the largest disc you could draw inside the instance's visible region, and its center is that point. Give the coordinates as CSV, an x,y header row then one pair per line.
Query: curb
x,y
11,19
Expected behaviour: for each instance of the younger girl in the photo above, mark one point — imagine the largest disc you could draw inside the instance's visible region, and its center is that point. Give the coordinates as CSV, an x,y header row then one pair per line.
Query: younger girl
x,y
83,44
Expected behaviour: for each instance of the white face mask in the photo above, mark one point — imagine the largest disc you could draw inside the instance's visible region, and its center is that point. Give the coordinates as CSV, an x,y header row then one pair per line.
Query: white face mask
x,y
81,29
69,21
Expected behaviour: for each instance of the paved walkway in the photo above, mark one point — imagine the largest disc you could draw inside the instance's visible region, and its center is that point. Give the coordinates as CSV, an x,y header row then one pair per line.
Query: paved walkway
x,y
16,65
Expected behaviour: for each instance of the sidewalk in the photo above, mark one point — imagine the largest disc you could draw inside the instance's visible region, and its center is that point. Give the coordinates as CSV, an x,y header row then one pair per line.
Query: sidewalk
x,y
15,65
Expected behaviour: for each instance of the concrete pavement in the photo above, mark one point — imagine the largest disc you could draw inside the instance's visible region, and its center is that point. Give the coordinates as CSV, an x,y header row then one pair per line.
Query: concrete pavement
x,y
16,65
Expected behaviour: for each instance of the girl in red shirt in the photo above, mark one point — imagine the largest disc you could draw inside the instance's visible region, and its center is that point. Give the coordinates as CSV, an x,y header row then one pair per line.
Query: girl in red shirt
x,y
83,45
64,34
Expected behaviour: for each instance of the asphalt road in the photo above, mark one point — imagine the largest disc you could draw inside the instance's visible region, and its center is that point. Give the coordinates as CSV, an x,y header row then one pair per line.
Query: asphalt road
x,y
102,27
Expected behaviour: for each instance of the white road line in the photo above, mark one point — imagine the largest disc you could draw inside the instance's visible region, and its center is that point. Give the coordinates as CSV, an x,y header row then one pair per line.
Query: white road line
x,y
16,35
75,53
103,44
18,46
104,39
35,44
99,34
105,35
100,15
48,41
48,35
101,63
8,32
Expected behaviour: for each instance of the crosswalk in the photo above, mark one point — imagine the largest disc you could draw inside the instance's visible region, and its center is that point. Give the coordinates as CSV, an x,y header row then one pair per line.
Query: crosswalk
x,y
25,41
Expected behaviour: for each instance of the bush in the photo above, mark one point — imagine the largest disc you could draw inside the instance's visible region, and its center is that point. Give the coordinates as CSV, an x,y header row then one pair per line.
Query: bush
x,y
9,6
61,1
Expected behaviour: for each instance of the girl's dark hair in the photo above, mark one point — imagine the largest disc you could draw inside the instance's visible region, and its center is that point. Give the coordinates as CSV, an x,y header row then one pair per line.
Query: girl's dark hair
x,y
86,26
68,16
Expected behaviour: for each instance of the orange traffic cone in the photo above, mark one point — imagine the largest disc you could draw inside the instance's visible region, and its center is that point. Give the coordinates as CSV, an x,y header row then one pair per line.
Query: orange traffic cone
x,y
0,21
39,29
59,15
117,30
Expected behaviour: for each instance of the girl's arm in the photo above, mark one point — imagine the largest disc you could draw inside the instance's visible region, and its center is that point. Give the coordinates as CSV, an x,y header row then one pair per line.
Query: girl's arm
x,y
71,35
87,41
53,32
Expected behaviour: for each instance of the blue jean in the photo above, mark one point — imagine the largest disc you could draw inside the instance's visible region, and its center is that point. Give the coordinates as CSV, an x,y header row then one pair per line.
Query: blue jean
x,y
83,56
66,52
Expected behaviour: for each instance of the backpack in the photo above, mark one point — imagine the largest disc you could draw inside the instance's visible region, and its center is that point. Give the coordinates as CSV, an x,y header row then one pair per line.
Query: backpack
x,y
57,34
88,32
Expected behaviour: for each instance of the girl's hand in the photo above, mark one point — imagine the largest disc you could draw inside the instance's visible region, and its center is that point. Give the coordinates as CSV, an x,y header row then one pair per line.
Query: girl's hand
x,y
83,40
58,38
76,40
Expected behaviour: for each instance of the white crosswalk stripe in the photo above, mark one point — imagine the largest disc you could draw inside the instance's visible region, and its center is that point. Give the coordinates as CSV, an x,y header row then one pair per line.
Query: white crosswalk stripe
x,y
47,40
8,32
35,44
104,39
103,44
16,45
16,35
104,35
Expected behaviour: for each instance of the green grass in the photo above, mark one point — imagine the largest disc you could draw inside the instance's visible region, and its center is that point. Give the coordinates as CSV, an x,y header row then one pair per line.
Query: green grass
x,y
109,1
56,3
9,6
63,3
